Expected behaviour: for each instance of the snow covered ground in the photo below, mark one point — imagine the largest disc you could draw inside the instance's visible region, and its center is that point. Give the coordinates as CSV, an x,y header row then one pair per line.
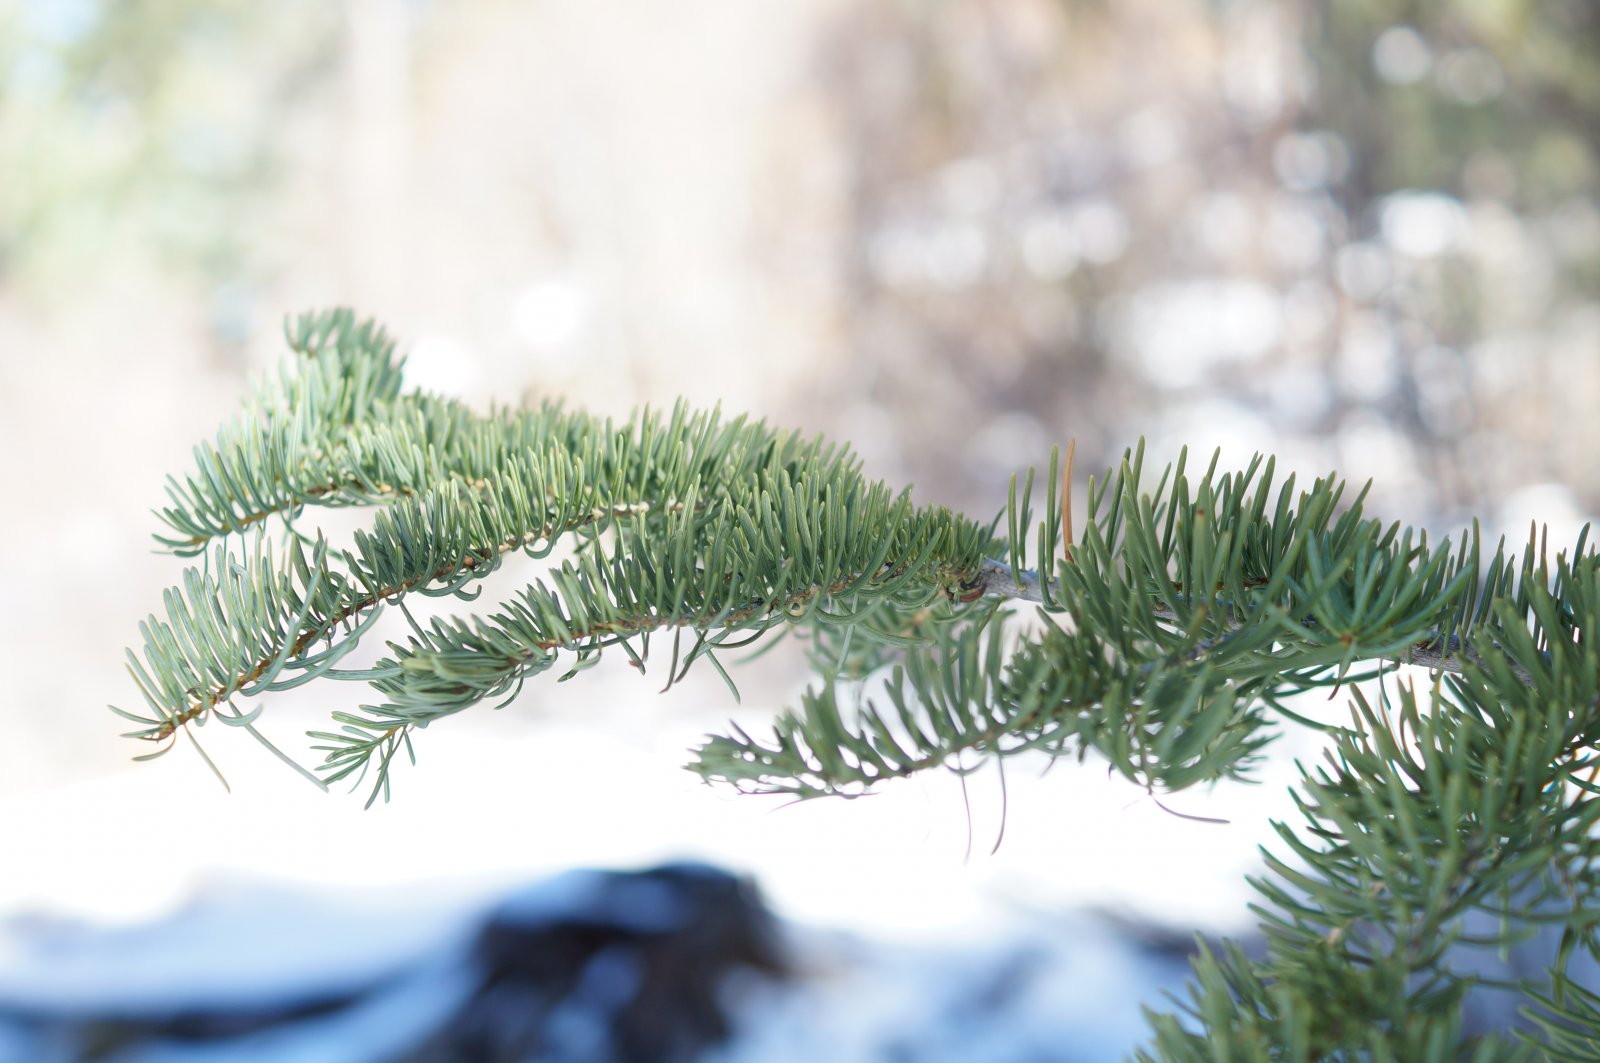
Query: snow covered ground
x,y
152,885
256,974
911,940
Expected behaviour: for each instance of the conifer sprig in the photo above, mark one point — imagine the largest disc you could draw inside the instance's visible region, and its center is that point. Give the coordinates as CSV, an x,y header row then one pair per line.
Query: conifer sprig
x,y
1170,635
719,526
1196,609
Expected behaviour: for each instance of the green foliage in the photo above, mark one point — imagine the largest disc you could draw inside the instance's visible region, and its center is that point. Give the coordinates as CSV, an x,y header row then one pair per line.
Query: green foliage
x,y
1168,640
147,127
688,523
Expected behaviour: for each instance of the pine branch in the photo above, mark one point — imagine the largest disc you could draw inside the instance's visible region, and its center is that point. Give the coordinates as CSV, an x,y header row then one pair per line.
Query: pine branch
x,y
355,604
1171,635
463,491
996,579
666,583
1296,601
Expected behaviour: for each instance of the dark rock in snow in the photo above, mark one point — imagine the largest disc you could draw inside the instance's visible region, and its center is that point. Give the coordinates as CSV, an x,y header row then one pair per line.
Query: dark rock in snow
x,y
588,967
677,963
610,966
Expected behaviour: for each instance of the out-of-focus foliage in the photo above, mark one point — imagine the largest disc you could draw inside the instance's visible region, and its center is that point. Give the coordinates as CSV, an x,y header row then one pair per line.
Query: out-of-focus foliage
x,y
1472,222
1499,99
148,123
1362,234
1369,224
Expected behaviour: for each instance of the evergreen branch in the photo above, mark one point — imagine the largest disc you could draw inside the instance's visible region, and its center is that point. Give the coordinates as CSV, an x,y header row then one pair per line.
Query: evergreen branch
x,y
1171,634
1434,651
1570,1021
766,553
1295,601
340,434
204,598
553,474
1406,841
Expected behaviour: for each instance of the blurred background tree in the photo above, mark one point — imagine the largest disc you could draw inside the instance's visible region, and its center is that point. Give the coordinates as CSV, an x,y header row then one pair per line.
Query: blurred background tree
x,y
147,135
1365,235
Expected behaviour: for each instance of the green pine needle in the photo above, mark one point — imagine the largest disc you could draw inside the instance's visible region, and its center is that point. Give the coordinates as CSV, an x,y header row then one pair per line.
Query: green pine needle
x,y
1168,636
